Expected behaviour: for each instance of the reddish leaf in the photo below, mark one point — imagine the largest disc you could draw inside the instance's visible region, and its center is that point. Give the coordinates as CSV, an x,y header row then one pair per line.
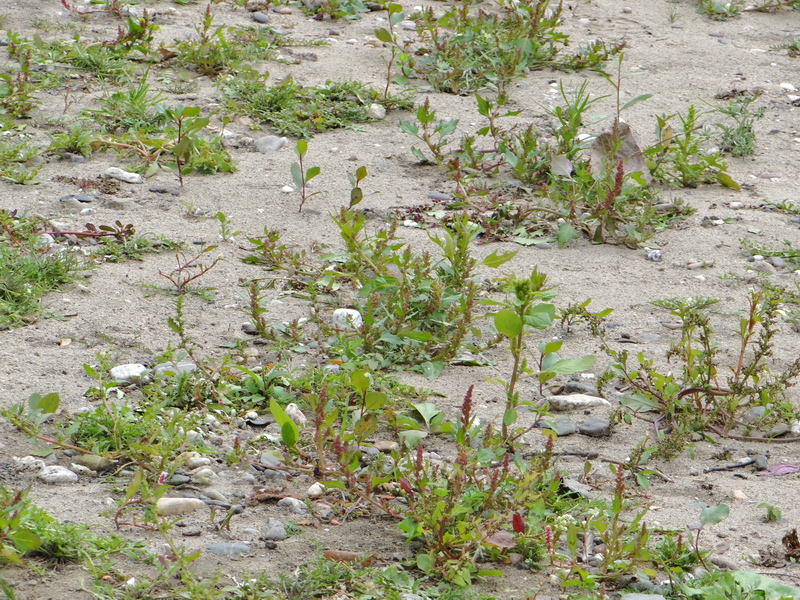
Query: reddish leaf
x,y
780,470
518,523
501,539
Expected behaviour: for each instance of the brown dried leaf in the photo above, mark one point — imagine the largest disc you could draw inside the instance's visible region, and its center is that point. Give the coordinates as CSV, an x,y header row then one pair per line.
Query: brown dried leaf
x,y
618,144
791,543
346,556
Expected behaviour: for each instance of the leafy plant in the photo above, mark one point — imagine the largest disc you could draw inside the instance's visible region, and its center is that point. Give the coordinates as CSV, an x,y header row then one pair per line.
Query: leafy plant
x,y
16,537
302,176
739,139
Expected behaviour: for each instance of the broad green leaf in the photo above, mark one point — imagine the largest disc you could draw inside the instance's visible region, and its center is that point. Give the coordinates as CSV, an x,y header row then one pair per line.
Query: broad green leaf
x,y
360,380
772,588
361,173
26,540
426,563
312,172
383,35
409,127
290,433
277,411
727,181
365,426
419,336
510,417
412,437
541,316
640,402
356,196
301,148
495,259
190,111
375,400
432,368
484,106
297,175
508,323
550,347
560,165
426,410
714,514
568,366
566,233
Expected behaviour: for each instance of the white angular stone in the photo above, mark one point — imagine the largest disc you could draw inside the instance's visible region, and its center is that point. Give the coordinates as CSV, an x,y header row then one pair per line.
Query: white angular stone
x,y
57,474
347,318
317,490
575,402
788,87
376,111
167,507
128,373
269,143
126,176
295,414
287,189
204,476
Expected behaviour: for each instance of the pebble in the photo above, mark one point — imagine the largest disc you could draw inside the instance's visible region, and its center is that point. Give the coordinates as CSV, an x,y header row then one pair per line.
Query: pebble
x,y
408,25
293,505
788,87
269,460
282,10
228,549
584,21
127,373
94,462
627,10
260,17
575,402
764,267
760,462
174,368
198,461
245,479
693,472
563,426
654,255
736,205
287,189
595,427
579,488
126,176
347,318
386,446
738,495
269,143
204,476
638,596
295,414
273,530
316,490
373,43
543,246
323,509
57,474
777,262
72,199
167,507
249,329
376,111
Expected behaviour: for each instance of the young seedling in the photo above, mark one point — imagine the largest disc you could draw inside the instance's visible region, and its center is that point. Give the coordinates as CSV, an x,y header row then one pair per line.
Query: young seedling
x,y
300,176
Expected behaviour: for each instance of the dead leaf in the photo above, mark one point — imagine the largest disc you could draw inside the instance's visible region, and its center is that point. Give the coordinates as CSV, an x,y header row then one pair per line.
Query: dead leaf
x,y
501,539
618,144
265,495
779,470
792,544
560,165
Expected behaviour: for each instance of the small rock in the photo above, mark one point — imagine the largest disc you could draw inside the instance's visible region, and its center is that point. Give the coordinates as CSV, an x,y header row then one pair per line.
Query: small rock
x,y
126,176
654,255
543,246
273,530
408,25
260,17
760,462
249,329
198,461
204,476
270,460
228,549
175,368
738,495
386,446
79,198
563,426
576,487
295,414
57,474
94,462
637,596
127,373
693,472
287,189
168,507
282,10
764,267
575,402
293,505
788,87
269,143
347,318
595,427
777,262
245,479
376,111
316,490
323,509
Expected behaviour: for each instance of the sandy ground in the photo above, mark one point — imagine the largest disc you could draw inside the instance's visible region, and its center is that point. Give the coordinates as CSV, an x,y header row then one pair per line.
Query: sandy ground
x,y
686,61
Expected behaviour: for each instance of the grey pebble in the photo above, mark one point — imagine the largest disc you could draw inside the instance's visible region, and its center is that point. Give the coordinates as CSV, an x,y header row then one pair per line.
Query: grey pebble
x,y
293,505
269,143
764,267
440,196
175,368
543,245
249,329
273,530
162,189
260,17
595,427
228,549
777,262
694,472
78,197
269,460
563,426
760,462
273,474
246,479
637,596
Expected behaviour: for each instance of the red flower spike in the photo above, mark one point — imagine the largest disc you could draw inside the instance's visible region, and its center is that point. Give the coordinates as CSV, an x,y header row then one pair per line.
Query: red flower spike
x,y
518,523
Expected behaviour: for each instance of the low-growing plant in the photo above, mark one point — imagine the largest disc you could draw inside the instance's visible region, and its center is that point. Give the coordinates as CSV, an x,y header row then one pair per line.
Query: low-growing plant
x,y
739,140
76,139
300,175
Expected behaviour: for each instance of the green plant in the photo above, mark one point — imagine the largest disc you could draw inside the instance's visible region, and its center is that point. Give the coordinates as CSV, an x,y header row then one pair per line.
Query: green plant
x,y
399,55
225,232
189,123
16,90
76,139
302,176
213,53
719,11
16,536
695,400
527,307
189,270
133,109
739,139
774,514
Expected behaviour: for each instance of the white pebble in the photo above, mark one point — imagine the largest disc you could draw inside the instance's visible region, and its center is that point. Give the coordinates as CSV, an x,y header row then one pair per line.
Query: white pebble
x,y
316,491
347,318
126,176
57,474
287,189
167,507
295,414
788,87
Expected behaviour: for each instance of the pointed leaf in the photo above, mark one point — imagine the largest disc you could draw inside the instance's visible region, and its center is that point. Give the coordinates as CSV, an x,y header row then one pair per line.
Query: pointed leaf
x,y
566,233
636,100
495,259
569,366
383,35
560,165
312,172
508,323
727,181
432,369
541,316
360,381
714,514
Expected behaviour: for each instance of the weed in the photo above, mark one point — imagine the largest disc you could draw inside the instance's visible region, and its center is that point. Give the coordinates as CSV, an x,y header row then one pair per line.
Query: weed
x,y
226,233
212,54
188,122
302,111
188,270
77,139
16,536
16,91
695,400
28,269
15,151
719,11
302,176
774,514
134,109
739,139
389,36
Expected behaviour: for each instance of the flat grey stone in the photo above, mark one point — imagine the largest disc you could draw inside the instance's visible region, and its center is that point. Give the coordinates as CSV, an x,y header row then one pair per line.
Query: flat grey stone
x,y
638,596
269,143
777,262
575,402
175,368
293,505
260,17
578,488
760,462
563,426
595,427
273,530
228,549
